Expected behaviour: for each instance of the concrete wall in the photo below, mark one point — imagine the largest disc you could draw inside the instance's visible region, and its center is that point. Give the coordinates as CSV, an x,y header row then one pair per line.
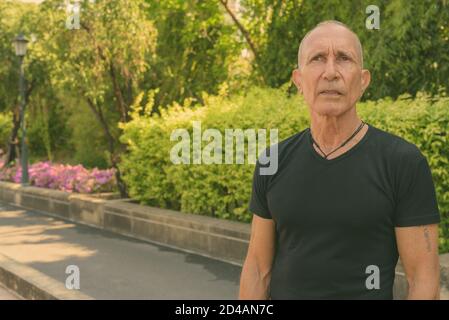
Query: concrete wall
x,y
220,239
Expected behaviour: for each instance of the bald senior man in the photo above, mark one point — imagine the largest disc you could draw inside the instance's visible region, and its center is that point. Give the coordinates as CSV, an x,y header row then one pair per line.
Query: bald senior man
x,y
347,200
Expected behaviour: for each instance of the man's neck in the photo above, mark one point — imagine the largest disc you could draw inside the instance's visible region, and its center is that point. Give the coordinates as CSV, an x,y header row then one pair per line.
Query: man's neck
x,y
330,131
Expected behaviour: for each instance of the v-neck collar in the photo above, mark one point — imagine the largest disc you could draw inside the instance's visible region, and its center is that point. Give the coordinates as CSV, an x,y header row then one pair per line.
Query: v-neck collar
x,y
343,155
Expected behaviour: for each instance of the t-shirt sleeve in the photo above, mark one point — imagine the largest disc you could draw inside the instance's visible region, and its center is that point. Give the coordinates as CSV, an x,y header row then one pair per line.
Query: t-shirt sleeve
x,y
258,203
416,202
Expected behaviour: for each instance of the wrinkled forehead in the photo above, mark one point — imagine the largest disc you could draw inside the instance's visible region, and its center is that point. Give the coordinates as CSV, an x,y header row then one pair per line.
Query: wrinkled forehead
x,y
331,38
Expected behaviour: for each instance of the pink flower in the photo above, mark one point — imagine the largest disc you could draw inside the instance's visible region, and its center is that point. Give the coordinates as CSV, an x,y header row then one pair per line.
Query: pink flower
x,y
63,177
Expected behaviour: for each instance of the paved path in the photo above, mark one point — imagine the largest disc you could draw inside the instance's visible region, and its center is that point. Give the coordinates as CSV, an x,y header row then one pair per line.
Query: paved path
x,y
112,266
5,294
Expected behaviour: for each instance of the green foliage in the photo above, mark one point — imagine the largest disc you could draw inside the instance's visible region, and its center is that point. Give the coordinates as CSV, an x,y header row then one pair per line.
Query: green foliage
x,y
87,140
5,129
196,49
105,59
93,70
9,26
223,190
47,130
45,123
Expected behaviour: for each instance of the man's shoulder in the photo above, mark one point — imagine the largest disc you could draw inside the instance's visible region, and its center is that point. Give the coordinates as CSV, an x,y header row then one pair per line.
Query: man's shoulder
x,y
394,146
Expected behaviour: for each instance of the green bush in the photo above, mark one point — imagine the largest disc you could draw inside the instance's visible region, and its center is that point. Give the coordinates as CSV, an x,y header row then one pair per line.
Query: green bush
x,y
223,191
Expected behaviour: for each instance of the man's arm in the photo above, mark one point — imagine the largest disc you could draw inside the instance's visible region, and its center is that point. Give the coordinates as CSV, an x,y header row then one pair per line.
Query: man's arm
x,y
256,272
418,249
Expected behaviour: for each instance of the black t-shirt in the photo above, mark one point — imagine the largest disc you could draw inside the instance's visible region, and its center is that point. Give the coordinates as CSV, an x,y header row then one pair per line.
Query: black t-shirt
x,y
335,219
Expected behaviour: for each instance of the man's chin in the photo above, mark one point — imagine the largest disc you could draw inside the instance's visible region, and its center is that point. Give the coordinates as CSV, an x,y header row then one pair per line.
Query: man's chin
x,y
330,108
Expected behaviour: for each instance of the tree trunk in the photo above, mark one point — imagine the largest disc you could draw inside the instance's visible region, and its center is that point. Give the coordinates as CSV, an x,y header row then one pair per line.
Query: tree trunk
x,y
121,105
13,146
111,146
118,177
242,29
247,36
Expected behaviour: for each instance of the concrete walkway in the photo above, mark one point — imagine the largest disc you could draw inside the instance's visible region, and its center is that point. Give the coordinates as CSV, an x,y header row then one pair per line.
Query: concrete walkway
x,y
5,294
112,266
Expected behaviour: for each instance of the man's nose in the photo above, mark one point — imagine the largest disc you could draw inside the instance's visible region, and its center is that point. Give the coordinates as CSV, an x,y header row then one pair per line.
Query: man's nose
x,y
330,71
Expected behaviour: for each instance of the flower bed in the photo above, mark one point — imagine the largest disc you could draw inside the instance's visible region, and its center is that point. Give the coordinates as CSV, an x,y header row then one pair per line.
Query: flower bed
x,y
63,177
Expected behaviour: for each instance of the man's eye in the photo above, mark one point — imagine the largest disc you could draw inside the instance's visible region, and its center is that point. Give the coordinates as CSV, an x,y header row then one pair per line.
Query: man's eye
x,y
317,58
345,58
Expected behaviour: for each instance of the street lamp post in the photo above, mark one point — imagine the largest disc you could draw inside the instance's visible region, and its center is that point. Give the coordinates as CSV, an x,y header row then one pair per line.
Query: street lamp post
x,y
20,44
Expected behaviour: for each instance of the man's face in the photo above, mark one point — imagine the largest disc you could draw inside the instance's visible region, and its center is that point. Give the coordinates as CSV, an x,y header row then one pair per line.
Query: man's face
x,y
330,75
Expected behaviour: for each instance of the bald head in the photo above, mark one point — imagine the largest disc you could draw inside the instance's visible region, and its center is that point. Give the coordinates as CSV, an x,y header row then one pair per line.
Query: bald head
x,y
331,25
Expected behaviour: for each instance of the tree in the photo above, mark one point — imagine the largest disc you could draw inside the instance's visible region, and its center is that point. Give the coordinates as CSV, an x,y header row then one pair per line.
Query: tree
x,y
196,50
11,23
102,63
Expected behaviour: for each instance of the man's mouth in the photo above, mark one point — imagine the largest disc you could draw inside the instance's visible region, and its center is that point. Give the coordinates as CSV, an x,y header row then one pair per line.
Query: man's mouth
x,y
331,92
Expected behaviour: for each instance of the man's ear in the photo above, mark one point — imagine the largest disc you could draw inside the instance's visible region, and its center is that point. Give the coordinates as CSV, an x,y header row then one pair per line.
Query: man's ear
x,y
366,79
296,77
